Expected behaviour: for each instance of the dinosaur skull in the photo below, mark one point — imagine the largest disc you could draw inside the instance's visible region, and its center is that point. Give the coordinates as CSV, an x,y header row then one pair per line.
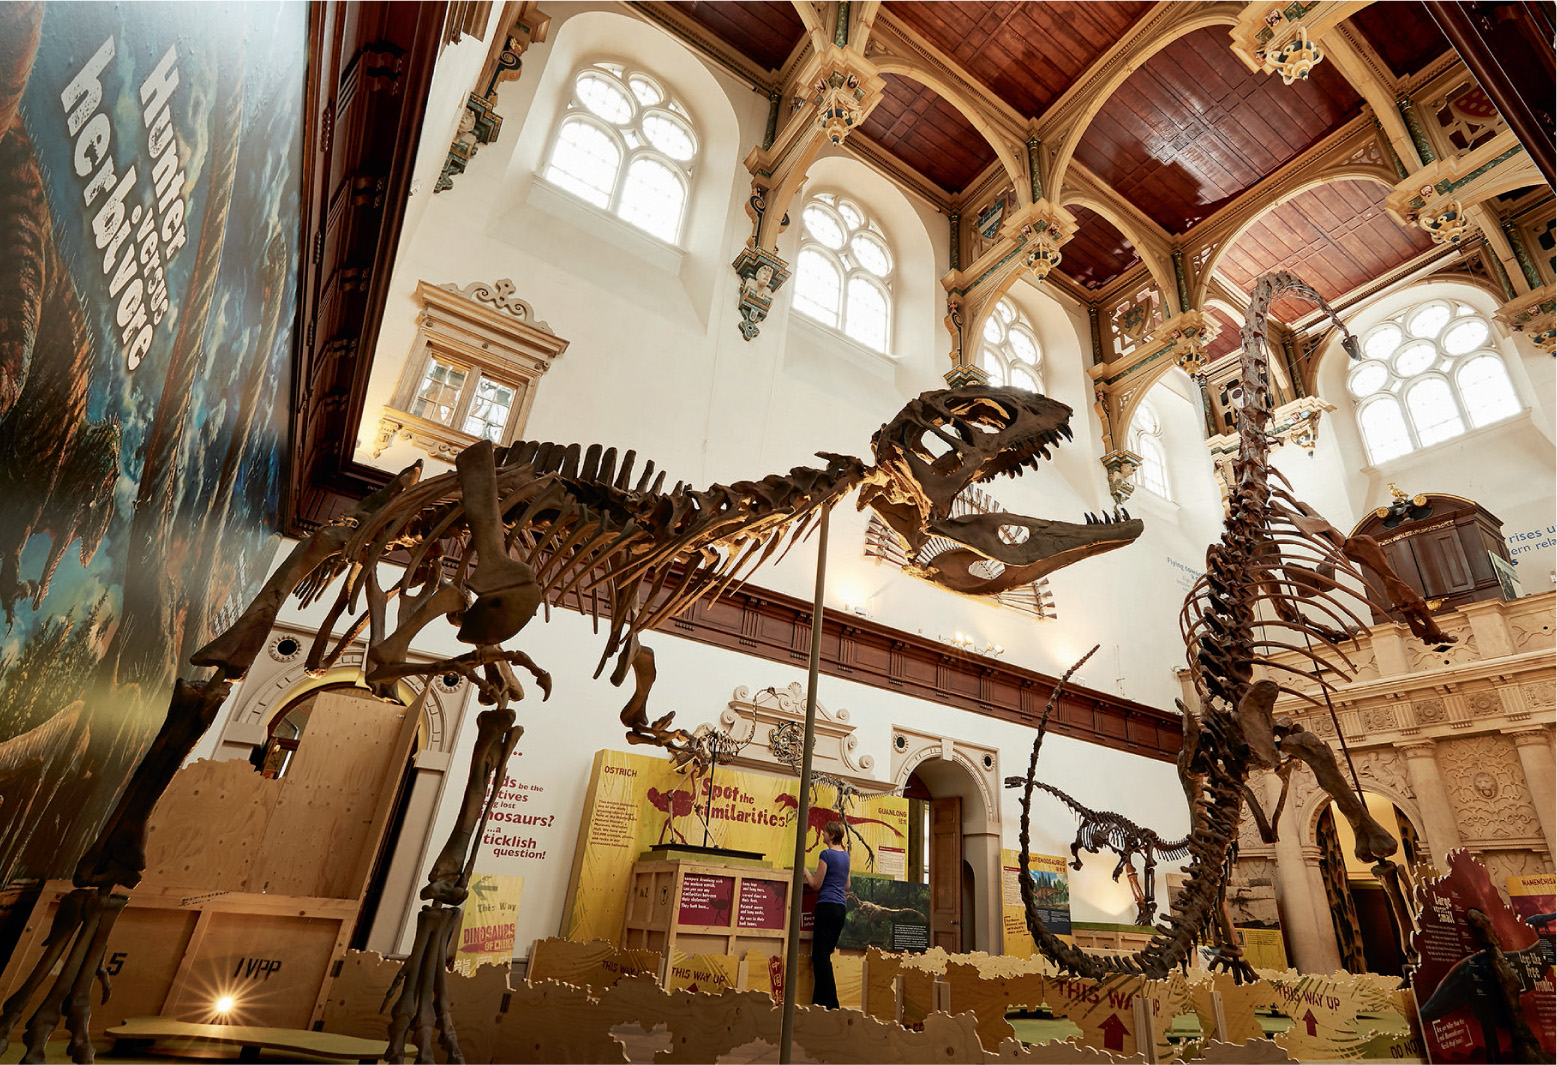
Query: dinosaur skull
x,y
945,441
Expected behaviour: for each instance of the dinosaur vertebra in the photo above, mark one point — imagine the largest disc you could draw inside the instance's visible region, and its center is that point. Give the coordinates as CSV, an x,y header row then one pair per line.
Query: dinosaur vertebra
x,y
1275,551
537,525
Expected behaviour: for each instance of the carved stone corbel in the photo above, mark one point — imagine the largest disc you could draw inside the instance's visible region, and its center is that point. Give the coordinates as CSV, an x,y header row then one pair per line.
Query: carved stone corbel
x,y
1186,336
525,24
1438,196
1533,315
1279,38
832,94
1121,466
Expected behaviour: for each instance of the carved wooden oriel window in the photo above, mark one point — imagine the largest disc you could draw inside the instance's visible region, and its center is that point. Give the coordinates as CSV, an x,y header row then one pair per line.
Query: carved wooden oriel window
x,y
472,372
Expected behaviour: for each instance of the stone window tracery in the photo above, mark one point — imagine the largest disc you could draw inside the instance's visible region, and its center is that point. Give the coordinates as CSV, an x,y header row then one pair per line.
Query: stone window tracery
x,y
1010,352
627,146
1427,375
843,274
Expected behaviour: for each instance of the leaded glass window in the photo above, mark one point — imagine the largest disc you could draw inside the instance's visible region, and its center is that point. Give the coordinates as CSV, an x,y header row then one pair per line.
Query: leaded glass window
x,y
843,274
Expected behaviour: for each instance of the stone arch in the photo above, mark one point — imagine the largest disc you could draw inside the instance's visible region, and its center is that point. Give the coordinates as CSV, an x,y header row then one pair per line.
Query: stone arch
x,y
916,290
1330,177
1319,800
278,678
1009,158
820,36
1227,15
602,35
1161,272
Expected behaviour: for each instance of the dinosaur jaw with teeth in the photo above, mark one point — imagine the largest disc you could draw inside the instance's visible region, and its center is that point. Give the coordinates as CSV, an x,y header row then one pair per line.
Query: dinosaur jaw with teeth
x,y
1002,551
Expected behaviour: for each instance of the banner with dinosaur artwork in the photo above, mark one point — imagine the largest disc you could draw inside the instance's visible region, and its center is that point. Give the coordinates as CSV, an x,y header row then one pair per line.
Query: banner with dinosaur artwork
x,y
639,801
150,161
1051,882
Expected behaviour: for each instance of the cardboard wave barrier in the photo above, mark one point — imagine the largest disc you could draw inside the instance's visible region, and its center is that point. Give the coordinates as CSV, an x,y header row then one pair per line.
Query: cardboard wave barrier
x,y
609,1007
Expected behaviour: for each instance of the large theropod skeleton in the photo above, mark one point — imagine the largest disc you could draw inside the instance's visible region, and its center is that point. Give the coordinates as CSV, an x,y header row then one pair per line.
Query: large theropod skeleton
x,y
1279,579
510,531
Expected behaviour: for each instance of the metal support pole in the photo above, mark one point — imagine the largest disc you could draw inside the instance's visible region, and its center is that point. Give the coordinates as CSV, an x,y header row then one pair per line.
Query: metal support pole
x,y
802,815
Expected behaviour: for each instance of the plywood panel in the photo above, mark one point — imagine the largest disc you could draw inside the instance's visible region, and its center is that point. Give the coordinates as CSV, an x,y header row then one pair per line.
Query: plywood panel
x,y
141,958
324,831
271,965
595,965
208,825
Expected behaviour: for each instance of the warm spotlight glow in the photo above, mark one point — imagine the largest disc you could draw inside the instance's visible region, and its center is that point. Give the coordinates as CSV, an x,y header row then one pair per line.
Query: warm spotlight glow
x,y
224,1004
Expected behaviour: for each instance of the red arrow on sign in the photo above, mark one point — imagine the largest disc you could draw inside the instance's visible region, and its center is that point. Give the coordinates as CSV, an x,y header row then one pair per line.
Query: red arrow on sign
x,y
1311,1023
1113,1030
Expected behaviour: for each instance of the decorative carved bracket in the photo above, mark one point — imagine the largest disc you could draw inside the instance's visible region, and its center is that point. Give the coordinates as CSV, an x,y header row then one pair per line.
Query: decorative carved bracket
x,y
753,717
480,123
1186,336
1296,423
1535,315
834,92
1437,196
1121,467
1278,38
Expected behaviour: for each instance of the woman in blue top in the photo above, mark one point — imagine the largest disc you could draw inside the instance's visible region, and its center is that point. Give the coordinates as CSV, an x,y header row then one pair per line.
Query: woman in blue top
x,y
830,881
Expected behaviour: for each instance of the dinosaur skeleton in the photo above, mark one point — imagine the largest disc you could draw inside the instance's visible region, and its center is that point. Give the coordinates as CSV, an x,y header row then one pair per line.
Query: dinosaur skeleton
x,y
508,532
1275,553
1101,830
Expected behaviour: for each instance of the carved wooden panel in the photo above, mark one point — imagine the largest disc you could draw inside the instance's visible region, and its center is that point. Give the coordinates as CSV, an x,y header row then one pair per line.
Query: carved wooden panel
x,y
1098,252
1335,236
1027,54
764,33
928,134
1402,33
1193,127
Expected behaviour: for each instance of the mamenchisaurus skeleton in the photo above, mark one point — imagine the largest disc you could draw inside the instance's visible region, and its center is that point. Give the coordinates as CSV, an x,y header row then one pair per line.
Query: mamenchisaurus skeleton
x,y
1279,579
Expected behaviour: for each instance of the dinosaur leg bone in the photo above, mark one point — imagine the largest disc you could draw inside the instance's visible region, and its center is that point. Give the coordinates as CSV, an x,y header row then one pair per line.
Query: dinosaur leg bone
x,y
1374,843
507,595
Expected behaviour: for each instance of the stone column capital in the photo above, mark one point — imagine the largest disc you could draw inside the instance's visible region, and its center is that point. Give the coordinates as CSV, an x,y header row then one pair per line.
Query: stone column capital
x,y
1538,736
1417,748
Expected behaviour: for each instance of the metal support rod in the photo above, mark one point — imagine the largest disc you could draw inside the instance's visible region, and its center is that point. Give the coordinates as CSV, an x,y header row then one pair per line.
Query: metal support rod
x,y
803,814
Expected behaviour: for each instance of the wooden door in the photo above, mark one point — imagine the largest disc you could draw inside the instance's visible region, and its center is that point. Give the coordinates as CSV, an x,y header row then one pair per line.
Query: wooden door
x,y
946,874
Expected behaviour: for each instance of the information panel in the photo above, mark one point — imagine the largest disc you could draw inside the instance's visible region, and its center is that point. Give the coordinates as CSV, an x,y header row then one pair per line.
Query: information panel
x,y
706,900
762,904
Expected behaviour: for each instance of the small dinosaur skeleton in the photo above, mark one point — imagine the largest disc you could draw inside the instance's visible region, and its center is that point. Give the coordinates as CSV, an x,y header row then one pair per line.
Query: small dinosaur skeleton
x,y
1101,830
531,525
1278,569
786,743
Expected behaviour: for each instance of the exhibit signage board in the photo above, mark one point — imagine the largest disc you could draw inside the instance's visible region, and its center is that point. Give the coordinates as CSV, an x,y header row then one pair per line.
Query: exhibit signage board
x,y
150,194
488,924
891,914
1051,881
636,802
1456,985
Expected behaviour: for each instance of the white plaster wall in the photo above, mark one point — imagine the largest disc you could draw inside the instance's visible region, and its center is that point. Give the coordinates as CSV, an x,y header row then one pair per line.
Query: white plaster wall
x,y
1508,467
562,735
656,363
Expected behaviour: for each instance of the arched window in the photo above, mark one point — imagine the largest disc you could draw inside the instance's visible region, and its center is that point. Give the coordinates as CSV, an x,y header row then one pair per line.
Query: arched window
x,y
1427,375
843,275
626,145
1010,354
1146,441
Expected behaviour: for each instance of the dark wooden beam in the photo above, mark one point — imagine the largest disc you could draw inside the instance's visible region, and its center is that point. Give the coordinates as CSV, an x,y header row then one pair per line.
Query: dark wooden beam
x,y
777,627
1508,49
369,69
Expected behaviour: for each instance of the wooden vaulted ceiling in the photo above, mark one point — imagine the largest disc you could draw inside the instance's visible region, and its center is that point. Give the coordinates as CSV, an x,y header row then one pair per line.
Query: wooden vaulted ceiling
x,y
1402,33
913,123
1098,252
764,32
1194,127
1190,130
1025,53
1335,236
